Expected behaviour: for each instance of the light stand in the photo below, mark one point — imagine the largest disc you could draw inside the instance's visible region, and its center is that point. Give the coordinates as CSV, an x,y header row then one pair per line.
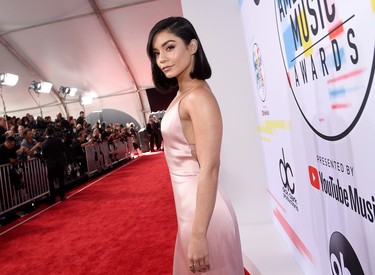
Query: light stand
x,y
36,102
39,87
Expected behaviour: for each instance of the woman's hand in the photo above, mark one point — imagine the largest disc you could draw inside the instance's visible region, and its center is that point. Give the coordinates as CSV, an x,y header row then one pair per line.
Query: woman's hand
x,y
198,254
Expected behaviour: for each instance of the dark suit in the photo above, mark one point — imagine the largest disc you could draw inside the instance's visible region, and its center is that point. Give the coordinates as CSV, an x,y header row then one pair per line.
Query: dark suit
x,y
80,120
152,135
53,151
2,134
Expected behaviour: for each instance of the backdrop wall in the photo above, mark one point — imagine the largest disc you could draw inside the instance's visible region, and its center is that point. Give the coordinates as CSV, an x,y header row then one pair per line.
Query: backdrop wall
x,y
294,81
242,160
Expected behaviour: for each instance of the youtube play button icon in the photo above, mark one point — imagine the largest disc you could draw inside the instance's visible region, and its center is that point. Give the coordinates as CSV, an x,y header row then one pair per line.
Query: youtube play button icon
x,y
314,177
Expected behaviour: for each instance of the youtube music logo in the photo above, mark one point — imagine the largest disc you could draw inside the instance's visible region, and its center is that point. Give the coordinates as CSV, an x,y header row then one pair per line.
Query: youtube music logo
x,y
314,177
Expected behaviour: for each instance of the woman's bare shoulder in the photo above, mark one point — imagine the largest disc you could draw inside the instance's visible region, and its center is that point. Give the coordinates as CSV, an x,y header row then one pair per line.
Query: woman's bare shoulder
x,y
200,94
200,103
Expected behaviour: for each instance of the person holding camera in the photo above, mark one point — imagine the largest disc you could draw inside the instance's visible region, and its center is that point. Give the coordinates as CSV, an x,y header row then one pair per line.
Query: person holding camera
x,y
30,146
96,136
78,150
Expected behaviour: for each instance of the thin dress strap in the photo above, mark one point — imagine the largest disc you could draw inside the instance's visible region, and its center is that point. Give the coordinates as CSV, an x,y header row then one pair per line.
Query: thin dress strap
x,y
192,146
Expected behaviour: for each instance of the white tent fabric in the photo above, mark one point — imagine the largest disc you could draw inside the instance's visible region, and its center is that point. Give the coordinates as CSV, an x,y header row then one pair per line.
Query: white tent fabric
x,y
96,46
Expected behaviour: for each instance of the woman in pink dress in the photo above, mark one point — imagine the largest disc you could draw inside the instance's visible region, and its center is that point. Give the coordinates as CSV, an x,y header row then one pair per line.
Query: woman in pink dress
x,y
208,237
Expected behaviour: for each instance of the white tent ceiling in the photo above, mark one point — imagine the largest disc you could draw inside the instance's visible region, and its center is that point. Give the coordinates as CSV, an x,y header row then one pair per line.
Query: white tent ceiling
x,y
97,46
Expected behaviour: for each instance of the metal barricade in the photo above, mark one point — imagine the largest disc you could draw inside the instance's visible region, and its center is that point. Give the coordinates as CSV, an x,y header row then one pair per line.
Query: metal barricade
x,y
102,156
94,159
130,148
33,184
34,178
121,150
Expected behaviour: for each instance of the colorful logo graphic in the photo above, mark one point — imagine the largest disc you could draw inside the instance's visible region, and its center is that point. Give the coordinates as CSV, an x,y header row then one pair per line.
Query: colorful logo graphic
x,y
347,195
314,177
270,128
259,73
343,259
328,53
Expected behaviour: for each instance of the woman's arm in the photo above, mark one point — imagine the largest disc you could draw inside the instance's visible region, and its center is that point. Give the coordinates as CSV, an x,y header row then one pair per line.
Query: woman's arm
x,y
202,125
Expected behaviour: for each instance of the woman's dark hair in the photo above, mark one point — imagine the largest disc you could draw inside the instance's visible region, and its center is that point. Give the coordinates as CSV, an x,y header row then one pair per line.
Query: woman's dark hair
x,y
182,28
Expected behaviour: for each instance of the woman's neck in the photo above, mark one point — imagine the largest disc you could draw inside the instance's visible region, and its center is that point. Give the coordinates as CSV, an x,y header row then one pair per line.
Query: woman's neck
x,y
186,86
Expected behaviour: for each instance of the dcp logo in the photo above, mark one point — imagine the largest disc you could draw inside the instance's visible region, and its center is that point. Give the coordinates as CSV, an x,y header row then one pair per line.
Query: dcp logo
x,y
286,174
343,258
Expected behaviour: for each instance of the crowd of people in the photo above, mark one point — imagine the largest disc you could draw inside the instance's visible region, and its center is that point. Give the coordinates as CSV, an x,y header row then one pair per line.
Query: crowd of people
x,y
58,142
26,135
153,129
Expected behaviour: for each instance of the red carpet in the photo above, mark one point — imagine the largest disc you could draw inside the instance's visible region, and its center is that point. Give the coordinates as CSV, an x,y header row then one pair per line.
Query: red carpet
x,y
121,223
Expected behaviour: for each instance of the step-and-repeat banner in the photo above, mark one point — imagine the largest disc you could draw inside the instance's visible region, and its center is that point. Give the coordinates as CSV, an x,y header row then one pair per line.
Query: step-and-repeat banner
x,y
312,64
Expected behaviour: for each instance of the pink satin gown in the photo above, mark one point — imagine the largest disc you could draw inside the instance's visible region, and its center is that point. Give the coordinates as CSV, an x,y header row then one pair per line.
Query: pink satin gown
x,y
224,247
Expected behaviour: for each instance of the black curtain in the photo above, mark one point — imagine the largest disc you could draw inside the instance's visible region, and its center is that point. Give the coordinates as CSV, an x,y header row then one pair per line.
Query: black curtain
x,y
159,101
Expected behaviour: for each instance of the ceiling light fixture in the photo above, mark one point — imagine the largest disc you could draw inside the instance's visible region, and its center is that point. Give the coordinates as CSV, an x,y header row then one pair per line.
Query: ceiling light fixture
x,y
63,91
73,91
41,87
7,79
86,100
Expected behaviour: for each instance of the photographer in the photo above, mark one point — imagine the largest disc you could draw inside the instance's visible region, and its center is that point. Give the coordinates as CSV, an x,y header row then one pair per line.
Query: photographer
x,y
96,137
107,134
29,144
8,151
53,151
78,150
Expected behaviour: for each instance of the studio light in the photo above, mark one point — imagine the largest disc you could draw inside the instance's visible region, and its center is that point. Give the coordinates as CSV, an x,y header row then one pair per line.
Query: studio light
x,y
86,100
41,87
67,91
64,90
73,91
7,79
